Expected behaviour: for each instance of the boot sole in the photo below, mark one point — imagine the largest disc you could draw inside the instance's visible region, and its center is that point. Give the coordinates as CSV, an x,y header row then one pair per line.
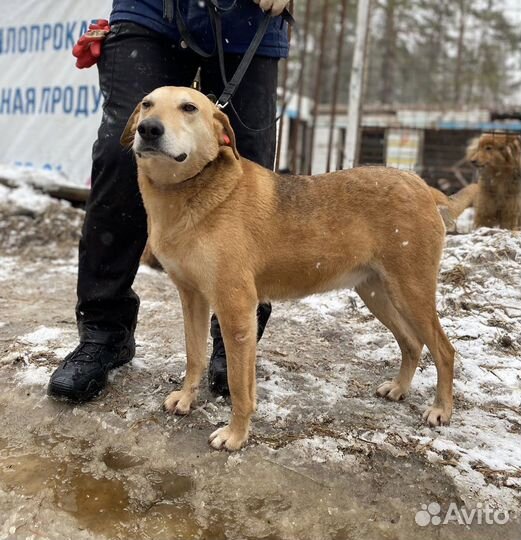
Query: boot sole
x,y
65,393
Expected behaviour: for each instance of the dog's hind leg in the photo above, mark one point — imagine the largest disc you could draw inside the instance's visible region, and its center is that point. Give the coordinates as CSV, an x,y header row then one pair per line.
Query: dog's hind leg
x,y
375,297
237,316
196,313
414,297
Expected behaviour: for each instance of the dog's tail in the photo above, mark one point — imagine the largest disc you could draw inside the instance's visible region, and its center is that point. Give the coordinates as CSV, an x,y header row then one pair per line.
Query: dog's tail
x,y
451,207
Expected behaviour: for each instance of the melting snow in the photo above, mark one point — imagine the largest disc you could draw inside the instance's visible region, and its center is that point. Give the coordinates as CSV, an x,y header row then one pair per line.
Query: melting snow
x,y
41,336
479,303
35,375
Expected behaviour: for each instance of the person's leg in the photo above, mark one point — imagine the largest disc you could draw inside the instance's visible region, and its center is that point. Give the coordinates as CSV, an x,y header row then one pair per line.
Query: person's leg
x,y
134,62
255,104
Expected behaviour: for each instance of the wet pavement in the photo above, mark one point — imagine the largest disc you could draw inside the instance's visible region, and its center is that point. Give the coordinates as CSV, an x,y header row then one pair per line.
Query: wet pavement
x,y
327,459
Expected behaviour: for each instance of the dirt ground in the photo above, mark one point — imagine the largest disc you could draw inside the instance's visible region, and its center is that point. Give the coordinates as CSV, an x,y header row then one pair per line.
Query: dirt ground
x,y
327,459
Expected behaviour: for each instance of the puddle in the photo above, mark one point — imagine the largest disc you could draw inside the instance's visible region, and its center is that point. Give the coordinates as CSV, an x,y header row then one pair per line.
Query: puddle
x,y
96,503
28,474
119,461
103,505
170,485
52,440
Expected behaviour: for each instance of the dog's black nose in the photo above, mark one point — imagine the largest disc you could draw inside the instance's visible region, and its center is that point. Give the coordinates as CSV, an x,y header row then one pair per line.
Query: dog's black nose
x,y
150,129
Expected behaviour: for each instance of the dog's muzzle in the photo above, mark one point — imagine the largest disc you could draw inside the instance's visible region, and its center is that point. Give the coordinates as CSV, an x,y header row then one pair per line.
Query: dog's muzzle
x,y
151,129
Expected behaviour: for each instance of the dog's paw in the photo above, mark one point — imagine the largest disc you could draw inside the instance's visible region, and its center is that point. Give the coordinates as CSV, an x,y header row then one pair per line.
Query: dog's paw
x,y
178,402
391,390
437,416
226,438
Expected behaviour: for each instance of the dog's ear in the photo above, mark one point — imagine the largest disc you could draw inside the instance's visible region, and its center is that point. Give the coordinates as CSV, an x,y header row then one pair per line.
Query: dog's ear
x,y
508,150
472,148
515,144
127,137
225,134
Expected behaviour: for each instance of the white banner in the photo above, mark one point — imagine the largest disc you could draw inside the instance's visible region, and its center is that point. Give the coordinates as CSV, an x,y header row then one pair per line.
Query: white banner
x,y
49,110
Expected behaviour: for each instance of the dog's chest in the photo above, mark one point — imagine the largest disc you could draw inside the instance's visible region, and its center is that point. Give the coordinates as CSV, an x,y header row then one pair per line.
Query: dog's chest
x,y
180,269
184,260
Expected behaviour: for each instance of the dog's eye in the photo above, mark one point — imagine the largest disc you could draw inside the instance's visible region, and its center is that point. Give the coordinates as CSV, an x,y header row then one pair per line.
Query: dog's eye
x,y
146,104
188,107
488,148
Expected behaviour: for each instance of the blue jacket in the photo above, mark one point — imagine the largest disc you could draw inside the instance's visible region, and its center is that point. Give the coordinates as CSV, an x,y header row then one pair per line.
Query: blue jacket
x,y
239,24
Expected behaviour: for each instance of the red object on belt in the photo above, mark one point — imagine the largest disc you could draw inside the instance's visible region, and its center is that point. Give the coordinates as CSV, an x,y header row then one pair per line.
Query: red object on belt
x,y
88,48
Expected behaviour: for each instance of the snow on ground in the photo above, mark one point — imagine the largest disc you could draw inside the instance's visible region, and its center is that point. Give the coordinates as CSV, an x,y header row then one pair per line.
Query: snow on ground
x,y
25,198
23,191
318,364
465,221
20,176
32,219
41,336
479,303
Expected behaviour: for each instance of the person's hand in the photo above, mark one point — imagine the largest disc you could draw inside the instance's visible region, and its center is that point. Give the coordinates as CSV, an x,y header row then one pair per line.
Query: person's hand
x,y
88,48
275,7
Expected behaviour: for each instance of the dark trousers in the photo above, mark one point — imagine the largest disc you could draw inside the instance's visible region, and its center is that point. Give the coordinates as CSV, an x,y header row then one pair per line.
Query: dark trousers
x,y
134,62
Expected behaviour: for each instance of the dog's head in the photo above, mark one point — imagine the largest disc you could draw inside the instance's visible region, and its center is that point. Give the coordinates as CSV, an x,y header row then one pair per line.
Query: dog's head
x,y
175,132
495,151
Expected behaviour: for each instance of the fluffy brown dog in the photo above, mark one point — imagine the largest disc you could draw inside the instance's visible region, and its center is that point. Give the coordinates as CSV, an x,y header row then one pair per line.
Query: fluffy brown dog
x,y
232,234
498,157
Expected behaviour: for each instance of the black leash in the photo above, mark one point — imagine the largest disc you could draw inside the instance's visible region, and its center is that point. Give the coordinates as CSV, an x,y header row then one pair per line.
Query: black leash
x,y
185,33
230,86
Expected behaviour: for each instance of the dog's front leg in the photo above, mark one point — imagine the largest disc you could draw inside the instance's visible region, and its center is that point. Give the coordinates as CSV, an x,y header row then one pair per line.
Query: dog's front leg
x,y
238,323
196,314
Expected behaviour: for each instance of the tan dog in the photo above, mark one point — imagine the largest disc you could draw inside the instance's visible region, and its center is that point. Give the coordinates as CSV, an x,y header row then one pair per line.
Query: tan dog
x,y
232,234
498,157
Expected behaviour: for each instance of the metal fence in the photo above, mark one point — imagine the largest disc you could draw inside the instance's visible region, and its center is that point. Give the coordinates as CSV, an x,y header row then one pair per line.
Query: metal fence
x,y
435,75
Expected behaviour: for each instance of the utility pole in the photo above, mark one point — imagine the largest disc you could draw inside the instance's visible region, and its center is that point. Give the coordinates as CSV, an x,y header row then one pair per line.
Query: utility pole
x,y
356,84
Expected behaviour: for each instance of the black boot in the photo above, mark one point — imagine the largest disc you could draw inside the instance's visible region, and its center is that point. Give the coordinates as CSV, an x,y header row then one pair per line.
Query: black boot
x,y
217,374
84,372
